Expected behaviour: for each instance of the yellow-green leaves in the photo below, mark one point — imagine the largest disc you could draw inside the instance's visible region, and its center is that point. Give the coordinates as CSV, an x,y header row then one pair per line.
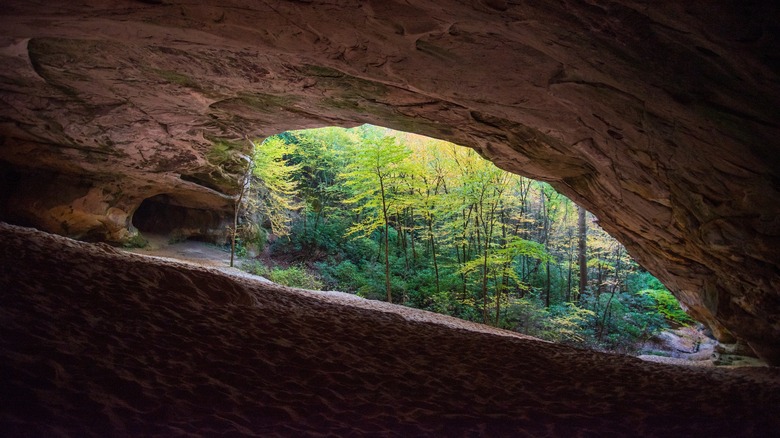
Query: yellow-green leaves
x,y
273,184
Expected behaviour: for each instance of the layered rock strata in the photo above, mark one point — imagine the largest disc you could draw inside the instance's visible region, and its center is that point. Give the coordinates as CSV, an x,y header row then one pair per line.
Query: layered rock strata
x,y
659,118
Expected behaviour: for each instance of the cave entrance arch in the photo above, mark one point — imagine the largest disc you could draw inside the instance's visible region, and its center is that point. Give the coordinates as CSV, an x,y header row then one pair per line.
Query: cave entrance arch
x,y
176,218
434,179
661,120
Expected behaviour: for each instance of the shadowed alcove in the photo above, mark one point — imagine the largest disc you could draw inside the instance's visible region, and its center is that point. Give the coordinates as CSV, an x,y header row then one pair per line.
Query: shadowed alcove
x,y
171,216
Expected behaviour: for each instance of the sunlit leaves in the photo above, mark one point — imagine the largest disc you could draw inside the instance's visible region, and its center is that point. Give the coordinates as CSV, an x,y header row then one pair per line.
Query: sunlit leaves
x,y
374,176
456,233
273,186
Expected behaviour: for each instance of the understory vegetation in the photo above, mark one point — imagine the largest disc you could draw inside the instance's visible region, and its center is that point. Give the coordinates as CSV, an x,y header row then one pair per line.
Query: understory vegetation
x,y
428,224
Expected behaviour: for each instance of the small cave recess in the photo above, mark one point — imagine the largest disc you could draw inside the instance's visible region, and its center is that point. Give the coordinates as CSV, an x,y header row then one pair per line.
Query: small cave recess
x,y
171,216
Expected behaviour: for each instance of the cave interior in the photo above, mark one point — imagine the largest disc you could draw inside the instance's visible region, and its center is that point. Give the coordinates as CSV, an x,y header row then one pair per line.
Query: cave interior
x,y
662,120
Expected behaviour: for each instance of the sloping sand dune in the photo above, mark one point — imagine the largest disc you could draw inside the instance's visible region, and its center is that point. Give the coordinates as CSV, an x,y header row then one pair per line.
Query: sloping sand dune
x,y
96,342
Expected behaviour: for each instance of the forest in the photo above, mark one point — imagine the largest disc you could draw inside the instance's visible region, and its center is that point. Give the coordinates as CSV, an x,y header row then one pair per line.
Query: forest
x,y
428,224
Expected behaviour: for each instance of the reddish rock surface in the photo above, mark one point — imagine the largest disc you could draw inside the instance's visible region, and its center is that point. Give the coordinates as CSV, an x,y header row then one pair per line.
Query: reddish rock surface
x,y
660,118
96,342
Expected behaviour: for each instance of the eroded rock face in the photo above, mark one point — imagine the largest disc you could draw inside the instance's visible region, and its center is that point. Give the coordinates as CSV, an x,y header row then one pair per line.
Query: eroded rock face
x,y
125,345
659,118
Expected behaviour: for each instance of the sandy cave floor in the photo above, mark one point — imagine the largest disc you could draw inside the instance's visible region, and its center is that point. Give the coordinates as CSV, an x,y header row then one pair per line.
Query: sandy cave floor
x,y
189,251
97,342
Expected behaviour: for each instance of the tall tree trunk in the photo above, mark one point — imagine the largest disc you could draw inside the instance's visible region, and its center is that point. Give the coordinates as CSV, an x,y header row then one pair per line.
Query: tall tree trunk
x,y
484,287
411,237
237,206
547,286
504,284
402,234
612,295
546,239
305,214
488,220
317,219
387,241
569,252
464,246
606,312
568,280
582,232
433,253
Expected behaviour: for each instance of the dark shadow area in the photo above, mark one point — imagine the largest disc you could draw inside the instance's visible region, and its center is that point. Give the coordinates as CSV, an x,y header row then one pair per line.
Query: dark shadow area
x,y
166,214
9,183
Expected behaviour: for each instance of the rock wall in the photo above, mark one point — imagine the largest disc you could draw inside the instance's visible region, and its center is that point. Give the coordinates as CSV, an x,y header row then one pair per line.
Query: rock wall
x,y
660,118
100,343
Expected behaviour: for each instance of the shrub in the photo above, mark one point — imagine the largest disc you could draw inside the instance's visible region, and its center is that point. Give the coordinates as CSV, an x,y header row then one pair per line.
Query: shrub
x,y
527,316
667,305
256,267
568,324
240,250
295,276
136,241
344,276
630,320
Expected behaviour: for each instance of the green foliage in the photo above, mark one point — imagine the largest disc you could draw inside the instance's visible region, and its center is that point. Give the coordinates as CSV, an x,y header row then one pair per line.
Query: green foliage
x,y
566,323
668,306
273,188
434,226
136,241
641,280
344,275
527,316
241,249
294,276
222,152
327,238
256,267
373,178
631,320
657,297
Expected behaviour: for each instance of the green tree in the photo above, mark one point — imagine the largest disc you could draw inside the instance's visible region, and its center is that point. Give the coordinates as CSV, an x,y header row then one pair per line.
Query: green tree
x,y
273,187
267,192
319,155
374,176
456,235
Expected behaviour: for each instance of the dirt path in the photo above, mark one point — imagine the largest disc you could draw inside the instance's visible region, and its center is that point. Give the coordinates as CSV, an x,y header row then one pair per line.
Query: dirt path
x,y
191,251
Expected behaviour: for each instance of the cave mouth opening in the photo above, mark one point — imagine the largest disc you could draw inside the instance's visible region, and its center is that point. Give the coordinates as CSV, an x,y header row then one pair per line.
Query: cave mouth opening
x,y
414,220
173,217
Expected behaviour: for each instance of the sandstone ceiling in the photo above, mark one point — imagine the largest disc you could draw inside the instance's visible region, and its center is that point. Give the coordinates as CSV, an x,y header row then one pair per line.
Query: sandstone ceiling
x,y
659,117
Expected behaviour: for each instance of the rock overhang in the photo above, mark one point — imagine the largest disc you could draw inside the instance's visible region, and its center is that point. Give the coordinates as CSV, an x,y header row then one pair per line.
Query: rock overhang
x,y
661,120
